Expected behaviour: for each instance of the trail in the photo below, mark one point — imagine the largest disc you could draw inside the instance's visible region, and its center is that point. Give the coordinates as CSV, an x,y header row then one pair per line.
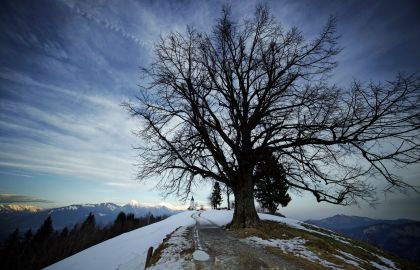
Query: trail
x,y
216,248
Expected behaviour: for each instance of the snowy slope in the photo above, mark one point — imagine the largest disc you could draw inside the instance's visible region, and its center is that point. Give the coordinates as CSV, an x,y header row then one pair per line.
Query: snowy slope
x,y
222,218
127,251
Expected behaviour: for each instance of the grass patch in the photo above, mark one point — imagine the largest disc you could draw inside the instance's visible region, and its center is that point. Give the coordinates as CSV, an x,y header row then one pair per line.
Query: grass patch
x,y
324,246
185,253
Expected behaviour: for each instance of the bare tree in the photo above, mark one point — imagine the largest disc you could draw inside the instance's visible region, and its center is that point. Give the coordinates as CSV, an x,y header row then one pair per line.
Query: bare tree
x,y
228,192
214,105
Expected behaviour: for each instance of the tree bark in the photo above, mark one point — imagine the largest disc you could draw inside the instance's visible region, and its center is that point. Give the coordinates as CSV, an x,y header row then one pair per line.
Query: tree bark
x,y
245,215
228,199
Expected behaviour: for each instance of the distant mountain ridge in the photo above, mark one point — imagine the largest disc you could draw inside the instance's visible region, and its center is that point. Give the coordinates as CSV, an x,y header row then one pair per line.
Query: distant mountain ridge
x,y
401,236
18,217
10,208
343,222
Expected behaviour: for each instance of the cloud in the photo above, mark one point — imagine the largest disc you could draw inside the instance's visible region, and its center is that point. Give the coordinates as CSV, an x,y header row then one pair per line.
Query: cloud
x,y
16,174
90,137
14,198
106,23
22,78
119,184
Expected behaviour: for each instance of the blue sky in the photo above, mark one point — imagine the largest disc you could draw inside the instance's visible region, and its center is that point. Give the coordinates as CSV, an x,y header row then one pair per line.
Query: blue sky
x,y
66,66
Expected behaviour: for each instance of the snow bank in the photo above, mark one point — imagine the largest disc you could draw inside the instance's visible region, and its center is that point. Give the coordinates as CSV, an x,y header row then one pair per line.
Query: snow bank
x,y
223,217
126,251
218,217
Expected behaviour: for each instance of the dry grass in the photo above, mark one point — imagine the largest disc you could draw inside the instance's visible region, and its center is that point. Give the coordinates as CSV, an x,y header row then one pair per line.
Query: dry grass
x,y
323,246
157,253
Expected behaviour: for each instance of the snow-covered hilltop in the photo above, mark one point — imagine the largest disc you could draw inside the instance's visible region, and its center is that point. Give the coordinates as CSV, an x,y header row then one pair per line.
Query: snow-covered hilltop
x,y
298,244
127,251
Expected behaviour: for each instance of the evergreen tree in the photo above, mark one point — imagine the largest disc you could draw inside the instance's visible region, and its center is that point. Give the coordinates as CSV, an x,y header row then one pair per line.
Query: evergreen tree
x,y
89,222
216,196
44,231
28,235
64,232
13,239
121,219
270,184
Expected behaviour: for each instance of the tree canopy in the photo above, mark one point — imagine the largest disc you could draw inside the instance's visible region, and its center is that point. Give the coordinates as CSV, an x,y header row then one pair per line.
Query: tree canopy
x,y
214,105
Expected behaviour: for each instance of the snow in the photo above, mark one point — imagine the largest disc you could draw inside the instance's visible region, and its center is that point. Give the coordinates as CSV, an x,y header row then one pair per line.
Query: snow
x,y
295,245
348,261
200,255
111,206
380,266
171,257
129,250
388,262
126,251
134,203
223,217
349,258
218,217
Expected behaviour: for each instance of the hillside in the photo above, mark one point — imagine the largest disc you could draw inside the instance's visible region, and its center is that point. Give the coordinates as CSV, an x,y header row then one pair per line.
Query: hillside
x,y
24,218
195,240
400,237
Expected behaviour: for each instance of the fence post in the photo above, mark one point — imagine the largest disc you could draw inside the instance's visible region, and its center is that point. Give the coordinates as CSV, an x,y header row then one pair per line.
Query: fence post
x,y
149,256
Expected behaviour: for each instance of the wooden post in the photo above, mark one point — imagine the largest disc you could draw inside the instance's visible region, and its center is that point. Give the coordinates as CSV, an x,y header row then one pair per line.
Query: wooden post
x,y
149,256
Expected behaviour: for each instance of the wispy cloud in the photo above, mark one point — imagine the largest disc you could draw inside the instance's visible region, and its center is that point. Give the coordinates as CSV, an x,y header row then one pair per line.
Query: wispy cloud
x,y
107,24
16,174
119,184
14,198
94,142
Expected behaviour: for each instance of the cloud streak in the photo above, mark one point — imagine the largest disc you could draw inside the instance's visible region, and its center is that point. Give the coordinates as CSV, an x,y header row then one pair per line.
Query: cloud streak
x,y
14,198
107,24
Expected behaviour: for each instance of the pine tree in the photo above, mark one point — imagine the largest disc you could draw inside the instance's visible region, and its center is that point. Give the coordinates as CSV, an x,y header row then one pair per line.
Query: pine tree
x,y
89,222
216,196
65,232
13,239
28,236
121,219
44,231
270,185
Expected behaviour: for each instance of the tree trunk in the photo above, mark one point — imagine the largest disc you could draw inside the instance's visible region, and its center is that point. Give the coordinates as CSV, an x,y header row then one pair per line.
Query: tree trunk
x,y
245,215
228,199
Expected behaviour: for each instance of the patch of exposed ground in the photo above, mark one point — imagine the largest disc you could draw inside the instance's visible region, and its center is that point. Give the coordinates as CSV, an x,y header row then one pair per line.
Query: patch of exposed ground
x,y
272,245
175,252
317,248
226,251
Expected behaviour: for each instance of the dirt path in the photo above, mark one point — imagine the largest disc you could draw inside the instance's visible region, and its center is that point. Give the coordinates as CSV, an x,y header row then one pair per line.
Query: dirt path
x,y
225,251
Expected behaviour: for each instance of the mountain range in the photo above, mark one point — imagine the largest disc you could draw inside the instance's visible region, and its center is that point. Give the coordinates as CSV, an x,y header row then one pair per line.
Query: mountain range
x,y
400,237
29,217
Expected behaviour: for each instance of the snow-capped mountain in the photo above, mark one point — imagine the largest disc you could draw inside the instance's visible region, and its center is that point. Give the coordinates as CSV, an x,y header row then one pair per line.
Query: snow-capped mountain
x,y
13,208
73,214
